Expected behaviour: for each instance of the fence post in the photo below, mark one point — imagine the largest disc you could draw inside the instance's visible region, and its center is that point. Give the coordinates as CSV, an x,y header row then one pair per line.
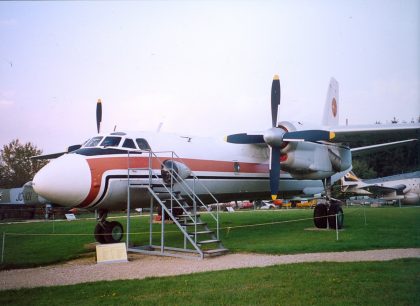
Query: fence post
x,y
2,248
364,213
336,225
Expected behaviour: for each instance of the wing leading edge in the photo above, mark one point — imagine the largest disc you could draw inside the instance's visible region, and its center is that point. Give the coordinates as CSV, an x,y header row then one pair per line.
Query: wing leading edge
x,y
376,133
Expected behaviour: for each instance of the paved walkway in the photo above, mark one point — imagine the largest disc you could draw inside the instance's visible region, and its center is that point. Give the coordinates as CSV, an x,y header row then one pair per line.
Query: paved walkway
x,y
142,266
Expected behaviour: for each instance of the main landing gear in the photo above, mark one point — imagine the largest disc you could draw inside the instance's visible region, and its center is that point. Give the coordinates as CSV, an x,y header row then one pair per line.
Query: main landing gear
x,y
107,232
325,214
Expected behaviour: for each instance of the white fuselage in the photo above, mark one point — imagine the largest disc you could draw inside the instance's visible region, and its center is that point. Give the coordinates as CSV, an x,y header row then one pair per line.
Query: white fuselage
x,y
96,176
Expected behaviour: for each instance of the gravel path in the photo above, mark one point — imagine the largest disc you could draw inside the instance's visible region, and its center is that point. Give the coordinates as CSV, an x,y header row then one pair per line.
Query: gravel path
x,y
142,266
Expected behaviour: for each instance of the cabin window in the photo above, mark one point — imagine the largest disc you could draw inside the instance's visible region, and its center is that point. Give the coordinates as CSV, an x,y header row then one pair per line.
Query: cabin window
x,y
129,143
143,145
94,141
111,141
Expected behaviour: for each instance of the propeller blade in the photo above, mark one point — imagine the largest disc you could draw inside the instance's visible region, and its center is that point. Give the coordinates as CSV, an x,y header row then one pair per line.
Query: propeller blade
x,y
56,155
274,171
244,138
275,99
47,156
98,115
309,135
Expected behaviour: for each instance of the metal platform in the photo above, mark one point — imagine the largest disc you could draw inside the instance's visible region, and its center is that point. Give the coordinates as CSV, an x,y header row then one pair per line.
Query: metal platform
x,y
178,202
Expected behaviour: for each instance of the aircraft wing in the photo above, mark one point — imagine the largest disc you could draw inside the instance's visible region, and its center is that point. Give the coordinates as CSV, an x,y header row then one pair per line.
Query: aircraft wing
x,y
379,190
376,133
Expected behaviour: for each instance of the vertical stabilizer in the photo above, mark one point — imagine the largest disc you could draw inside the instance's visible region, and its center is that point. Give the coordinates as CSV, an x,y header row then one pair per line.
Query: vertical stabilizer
x,y
351,183
331,108
351,177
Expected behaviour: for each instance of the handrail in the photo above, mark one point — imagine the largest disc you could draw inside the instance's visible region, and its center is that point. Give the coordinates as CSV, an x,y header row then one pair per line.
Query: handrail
x,y
176,222
180,181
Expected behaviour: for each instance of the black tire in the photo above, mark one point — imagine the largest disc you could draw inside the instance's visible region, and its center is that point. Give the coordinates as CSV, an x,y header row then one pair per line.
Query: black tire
x,y
335,209
113,232
320,216
99,234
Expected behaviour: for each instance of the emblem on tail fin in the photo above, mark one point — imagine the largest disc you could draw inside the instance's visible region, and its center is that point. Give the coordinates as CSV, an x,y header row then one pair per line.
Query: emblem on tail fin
x,y
331,107
334,107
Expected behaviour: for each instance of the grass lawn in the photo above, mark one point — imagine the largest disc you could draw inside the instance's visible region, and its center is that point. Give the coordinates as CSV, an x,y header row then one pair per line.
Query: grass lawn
x,y
392,227
367,283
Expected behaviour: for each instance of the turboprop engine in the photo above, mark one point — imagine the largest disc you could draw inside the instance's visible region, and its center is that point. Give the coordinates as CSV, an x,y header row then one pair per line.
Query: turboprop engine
x,y
308,160
283,138
315,161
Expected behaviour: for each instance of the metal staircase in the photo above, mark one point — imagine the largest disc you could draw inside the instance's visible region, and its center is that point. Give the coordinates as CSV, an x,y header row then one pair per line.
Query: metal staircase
x,y
178,203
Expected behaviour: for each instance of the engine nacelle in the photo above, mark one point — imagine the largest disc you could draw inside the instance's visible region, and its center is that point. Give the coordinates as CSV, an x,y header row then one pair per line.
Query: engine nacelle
x,y
314,161
178,170
340,158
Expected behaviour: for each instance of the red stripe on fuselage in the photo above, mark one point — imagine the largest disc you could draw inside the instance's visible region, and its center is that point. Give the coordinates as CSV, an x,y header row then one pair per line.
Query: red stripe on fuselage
x,y
98,166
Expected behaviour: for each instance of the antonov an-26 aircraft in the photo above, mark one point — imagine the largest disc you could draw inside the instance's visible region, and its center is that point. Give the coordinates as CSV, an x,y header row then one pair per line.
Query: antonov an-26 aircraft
x,y
286,160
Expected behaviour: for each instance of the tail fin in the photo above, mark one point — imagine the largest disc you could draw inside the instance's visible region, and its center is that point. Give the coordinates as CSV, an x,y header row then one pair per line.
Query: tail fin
x,y
349,182
351,177
331,108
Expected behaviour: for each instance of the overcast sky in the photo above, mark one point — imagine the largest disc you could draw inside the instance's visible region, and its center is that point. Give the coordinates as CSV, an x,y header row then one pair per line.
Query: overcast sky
x,y
201,67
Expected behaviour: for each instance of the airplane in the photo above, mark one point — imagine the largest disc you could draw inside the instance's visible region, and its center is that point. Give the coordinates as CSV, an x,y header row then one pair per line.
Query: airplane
x,y
17,202
288,159
23,195
404,187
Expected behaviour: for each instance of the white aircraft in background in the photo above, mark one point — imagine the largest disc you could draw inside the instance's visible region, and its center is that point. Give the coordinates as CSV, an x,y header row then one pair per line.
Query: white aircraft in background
x,y
286,160
404,187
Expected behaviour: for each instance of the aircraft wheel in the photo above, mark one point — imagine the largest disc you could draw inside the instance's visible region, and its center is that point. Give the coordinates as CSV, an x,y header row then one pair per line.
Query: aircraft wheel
x,y
320,216
114,232
99,233
335,209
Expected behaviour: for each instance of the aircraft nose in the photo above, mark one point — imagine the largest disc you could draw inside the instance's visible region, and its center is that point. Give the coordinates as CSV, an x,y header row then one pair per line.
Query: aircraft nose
x,y
65,181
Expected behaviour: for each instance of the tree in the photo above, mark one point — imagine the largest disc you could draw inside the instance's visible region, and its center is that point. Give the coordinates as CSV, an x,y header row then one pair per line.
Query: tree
x,y
16,166
362,169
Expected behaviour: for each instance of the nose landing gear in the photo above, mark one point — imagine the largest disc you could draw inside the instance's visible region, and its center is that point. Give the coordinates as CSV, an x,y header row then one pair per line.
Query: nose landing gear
x,y
107,232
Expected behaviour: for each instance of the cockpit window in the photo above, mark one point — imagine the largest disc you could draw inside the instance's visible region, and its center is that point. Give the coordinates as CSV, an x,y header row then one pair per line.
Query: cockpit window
x,y
111,141
93,142
129,143
142,143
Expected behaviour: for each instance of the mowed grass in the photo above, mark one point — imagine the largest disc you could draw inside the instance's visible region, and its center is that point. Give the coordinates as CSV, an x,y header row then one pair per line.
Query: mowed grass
x,y
276,232
364,228
367,283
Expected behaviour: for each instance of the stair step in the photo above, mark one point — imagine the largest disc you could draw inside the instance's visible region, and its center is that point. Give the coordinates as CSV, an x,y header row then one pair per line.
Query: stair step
x,y
208,241
163,189
201,233
193,224
216,251
189,215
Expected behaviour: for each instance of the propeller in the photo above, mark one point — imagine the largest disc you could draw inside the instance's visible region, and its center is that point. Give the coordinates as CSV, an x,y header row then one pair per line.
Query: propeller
x,y
276,136
98,115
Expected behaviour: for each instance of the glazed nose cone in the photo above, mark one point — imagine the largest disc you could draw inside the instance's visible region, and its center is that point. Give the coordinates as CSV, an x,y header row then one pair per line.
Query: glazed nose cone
x,y
64,181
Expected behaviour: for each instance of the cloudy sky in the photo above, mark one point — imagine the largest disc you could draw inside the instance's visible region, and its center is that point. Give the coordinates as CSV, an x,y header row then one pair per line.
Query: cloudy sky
x,y
201,67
